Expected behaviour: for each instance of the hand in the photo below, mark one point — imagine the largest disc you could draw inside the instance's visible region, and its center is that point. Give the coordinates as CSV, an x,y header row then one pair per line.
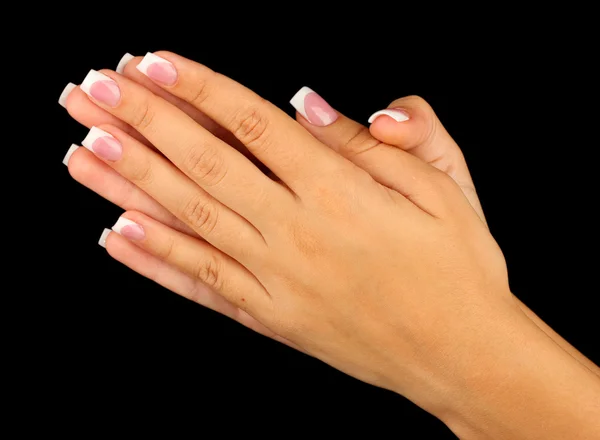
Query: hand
x,y
314,266
422,135
412,126
277,251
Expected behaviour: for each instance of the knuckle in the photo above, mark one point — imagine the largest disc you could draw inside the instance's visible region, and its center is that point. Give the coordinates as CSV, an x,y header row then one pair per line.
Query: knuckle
x,y
251,127
201,215
360,142
141,174
143,116
166,251
200,92
205,165
209,272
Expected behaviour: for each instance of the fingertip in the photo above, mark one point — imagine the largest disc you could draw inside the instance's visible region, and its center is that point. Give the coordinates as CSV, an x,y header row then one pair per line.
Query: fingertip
x,y
64,96
398,115
129,228
78,165
104,237
115,244
70,152
391,126
77,103
125,59
388,130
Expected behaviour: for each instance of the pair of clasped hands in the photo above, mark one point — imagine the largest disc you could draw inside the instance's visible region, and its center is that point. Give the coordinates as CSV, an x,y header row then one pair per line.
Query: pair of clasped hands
x,y
364,247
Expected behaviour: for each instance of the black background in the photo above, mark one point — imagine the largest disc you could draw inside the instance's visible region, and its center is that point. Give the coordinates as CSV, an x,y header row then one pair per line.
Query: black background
x,y
113,347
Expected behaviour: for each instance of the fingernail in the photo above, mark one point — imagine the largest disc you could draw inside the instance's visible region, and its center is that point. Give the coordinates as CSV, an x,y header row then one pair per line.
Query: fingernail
x,y
103,144
103,237
70,153
123,62
396,114
129,229
65,94
101,88
314,108
158,69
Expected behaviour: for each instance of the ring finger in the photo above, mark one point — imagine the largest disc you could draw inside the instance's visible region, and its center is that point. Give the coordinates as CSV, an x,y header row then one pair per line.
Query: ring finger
x,y
148,170
197,258
91,172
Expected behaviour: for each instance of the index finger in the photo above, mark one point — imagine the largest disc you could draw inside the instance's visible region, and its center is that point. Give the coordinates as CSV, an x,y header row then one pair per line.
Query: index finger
x,y
269,133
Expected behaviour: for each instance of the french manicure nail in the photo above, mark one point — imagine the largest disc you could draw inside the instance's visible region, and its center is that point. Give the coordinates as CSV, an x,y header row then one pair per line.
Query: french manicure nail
x,y
70,153
129,229
103,144
65,94
396,114
123,62
158,69
101,88
314,108
103,237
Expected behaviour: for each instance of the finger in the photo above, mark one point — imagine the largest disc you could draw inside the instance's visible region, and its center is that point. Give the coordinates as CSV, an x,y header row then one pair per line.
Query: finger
x,y
198,259
151,267
88,170
219,169
88,114
162,181
411,124
388,165
269,133
127,67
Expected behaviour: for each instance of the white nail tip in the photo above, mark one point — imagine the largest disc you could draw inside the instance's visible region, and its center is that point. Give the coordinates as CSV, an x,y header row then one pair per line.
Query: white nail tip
x,y
65,94
70,153
92,77
150,58
121,223
103,237
396,115
123,62
297,100
91,137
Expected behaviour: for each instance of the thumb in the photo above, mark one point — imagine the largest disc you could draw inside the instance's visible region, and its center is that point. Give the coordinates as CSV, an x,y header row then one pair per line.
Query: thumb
x,y
425,137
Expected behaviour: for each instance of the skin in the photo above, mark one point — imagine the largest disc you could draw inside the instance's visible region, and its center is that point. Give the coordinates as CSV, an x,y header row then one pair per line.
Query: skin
x,y
274,250
423,136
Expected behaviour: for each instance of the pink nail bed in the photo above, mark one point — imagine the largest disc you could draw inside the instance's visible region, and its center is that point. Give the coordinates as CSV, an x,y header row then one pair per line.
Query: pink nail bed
x,y
158,69
103,144
129,229
314,108
102,88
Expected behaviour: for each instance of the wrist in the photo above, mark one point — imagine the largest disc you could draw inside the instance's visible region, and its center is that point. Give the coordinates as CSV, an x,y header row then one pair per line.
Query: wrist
x,y
517,383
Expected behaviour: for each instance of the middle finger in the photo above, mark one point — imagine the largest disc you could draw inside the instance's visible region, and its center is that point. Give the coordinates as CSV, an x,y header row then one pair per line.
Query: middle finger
x,y
148,170
219,169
